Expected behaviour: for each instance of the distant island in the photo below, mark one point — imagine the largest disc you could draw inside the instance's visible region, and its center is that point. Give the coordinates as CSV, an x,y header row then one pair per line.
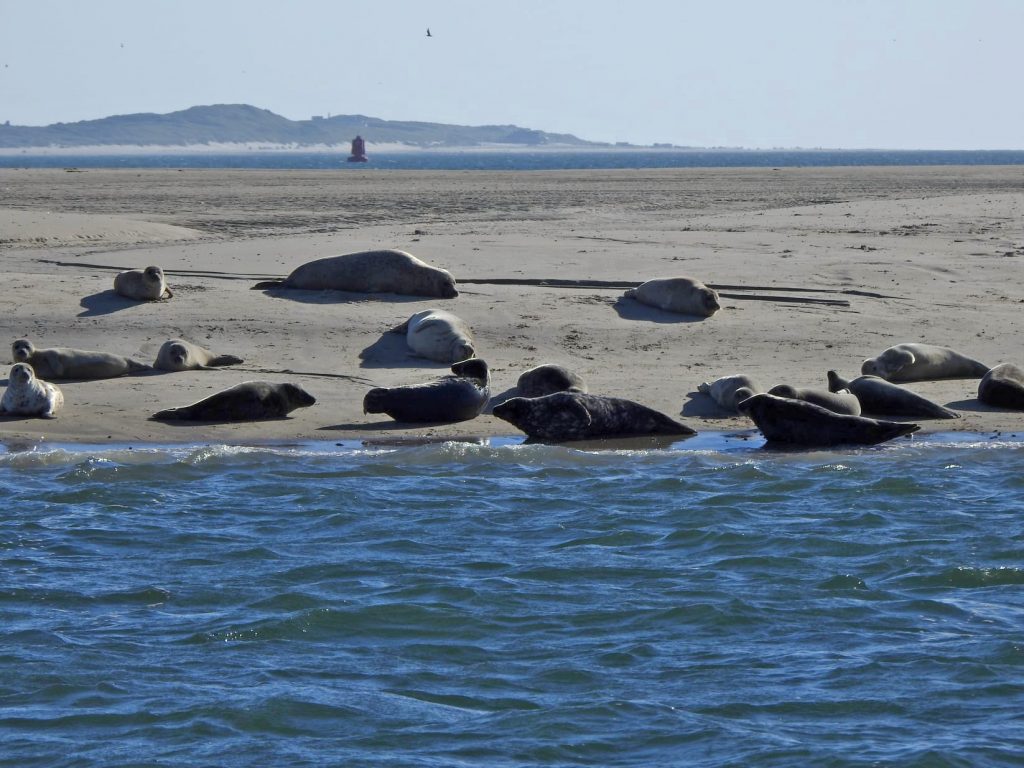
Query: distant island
x,y
247,127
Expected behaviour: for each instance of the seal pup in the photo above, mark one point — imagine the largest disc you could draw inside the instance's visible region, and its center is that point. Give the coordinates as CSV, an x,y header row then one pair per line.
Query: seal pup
x,y
922,362
453,398
385,271
28,396
798,422
181,355
548,379
248,401
843,401
565,416
728,391
66,363
438,335
878,396
1003,387
683,295
142,284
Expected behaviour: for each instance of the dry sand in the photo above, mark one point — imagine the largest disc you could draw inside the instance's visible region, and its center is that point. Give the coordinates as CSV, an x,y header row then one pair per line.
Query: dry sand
x,y
942,247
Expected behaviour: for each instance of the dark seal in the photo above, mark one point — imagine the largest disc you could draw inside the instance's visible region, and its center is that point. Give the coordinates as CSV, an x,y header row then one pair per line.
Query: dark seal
x,y
249,401
567,416
453,398
1003,387
548,379
883,398
798,422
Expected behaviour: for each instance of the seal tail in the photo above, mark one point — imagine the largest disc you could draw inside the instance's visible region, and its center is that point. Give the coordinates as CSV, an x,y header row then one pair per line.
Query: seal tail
x,y
134,366
890,430
225,360
170,414
261,286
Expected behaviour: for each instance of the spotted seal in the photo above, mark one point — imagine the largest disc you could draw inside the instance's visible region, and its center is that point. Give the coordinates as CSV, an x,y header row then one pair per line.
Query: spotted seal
x,y
438,335
728,391
249,401
1003,387
922,362
142,284
65,363
565,416
683,295
843,401
882,398
798,422
548,379
181,355
28,396
384,271
453,398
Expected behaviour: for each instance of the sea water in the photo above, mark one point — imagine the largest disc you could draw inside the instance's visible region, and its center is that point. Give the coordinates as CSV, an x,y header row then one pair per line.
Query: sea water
x,y
707,603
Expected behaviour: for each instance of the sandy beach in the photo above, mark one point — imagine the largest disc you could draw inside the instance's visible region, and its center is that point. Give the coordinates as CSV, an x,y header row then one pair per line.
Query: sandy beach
x,y
819,268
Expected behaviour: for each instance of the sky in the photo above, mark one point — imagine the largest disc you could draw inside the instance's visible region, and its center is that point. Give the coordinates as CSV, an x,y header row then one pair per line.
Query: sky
x,y
898,74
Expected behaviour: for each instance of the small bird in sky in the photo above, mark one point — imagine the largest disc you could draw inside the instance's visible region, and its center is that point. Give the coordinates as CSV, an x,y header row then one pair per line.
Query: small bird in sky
x,y
428,32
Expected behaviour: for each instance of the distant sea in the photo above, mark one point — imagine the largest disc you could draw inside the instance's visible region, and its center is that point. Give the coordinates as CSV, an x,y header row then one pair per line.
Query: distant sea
x,y
496,160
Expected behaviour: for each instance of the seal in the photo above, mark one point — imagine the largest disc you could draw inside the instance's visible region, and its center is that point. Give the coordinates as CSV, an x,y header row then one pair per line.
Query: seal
x,y
28,396
798,422
548,379
843,401
453,398
565,416
922,362
728,391
249,401
142,284
880,397
181,355
438,335
1003,387
683,295
65,363
385,271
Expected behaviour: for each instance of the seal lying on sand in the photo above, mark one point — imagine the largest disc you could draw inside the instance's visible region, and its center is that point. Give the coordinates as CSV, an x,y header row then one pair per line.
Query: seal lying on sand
x,y
65,363
548,379
1003,387
922,362
577,416
142,284
386,271
438,335
683,295
249,401
181,355
453,398
797,422
843,401
728,391
882,398
28,396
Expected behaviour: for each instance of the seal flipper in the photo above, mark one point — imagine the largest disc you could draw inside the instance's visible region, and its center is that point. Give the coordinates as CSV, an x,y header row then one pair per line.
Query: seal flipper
x,y
837,382
403,328
223,360
265,284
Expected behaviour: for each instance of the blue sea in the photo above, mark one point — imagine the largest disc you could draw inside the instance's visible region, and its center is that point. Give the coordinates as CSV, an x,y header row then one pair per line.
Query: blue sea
x,y
523,160
493,603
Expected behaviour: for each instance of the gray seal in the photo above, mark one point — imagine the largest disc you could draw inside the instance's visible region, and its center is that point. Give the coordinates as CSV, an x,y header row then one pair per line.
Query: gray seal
x,y
882,398
453,398
798,422
28,396
249,401
729,391
66,363
142,284
385,271
1003,387
566,416
683,295
548,379
181,355
843,401
438,335
922,362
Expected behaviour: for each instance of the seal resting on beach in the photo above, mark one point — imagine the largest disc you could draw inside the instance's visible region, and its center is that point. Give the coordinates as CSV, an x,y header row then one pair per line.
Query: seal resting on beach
x,y
922,362
65,363
453,398
142,284
181,355
728,391
683,295
798,422
843,401
249,401
438,335
1003,387
548,379
880,397
385,271
566,416
28,396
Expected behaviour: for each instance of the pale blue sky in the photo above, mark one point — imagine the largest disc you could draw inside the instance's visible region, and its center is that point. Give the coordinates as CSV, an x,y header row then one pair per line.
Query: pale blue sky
x,y
874,73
